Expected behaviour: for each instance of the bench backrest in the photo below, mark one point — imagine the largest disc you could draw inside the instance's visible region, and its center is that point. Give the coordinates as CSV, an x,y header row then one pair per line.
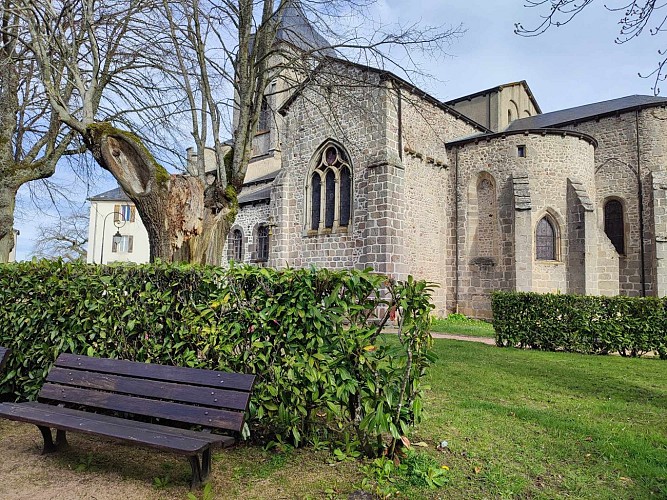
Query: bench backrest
x,y
202,397
4,354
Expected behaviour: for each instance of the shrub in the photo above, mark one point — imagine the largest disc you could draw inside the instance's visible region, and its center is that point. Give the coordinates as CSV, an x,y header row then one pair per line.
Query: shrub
x,y
631,326
313,337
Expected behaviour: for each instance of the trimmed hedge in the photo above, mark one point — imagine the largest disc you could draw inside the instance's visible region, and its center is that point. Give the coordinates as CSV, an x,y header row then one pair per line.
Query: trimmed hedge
x,y
325,370
631,326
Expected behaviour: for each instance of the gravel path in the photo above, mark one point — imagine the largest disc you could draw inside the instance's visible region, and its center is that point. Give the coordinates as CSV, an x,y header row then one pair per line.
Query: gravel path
x,y
483,340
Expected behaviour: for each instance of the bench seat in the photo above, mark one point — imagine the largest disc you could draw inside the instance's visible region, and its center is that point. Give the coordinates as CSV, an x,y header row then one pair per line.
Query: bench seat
x,y
142,404
175,440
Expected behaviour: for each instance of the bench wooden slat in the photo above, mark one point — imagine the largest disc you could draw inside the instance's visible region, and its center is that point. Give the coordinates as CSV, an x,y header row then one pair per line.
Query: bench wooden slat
x,y
4,354
209,437
209,417
88,423
196,376
217,398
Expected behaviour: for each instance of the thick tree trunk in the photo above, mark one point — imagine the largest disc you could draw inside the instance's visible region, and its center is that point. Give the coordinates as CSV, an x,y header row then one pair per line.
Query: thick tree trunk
x,y
9,106
7,202
185,220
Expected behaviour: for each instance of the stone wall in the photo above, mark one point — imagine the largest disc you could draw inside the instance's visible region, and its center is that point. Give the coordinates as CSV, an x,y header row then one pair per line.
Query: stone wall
x,y
623,140
550,161
353,117
248,219
429,208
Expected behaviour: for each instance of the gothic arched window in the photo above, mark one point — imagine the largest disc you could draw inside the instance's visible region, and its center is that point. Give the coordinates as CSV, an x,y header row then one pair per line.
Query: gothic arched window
x,y
613,224
237,245
545,240
330,187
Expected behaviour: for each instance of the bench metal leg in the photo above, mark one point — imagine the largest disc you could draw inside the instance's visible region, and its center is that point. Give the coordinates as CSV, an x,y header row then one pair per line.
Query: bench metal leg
x,y
49,447
196,480
206,464
200,470
61,439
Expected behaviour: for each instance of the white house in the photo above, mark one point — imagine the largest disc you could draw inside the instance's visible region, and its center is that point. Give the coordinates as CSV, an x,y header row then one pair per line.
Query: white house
x,y
115,231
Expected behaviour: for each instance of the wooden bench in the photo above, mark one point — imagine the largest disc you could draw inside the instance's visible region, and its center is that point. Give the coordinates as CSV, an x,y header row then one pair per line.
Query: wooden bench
x,y
79,388
4,354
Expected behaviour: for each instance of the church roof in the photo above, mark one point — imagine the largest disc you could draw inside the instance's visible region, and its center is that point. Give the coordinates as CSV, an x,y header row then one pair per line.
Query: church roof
x,y
384,75
497,89
296,30
113,195
587,112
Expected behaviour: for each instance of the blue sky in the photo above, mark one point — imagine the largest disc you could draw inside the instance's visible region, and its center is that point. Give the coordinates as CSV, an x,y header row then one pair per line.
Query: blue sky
x,y
573,65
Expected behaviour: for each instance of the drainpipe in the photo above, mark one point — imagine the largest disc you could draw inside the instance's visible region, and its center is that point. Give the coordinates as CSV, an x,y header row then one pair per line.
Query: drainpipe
x,y
640,196
400,125
456,228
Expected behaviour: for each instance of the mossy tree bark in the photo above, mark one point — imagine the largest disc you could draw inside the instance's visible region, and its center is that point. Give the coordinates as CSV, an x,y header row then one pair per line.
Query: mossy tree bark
x,y
184,217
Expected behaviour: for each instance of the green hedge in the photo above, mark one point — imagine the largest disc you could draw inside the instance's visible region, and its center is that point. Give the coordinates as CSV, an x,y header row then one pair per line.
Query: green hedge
x,y
631,326
325,369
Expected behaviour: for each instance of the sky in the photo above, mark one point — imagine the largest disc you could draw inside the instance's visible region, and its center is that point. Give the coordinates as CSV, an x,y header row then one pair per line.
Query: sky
x,y
575,64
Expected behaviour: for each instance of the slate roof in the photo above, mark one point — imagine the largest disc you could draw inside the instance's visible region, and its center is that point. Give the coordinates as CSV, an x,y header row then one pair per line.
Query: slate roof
x,y
113,195
264,193
295,29
587,112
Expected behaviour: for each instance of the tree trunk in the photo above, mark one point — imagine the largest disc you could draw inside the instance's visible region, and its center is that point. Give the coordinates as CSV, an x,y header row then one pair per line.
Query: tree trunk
x,y
185,220
7,202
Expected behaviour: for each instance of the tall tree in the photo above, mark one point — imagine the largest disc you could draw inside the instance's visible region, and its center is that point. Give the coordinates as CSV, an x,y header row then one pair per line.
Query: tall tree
x,y
635,18
67,239
140,65
32,138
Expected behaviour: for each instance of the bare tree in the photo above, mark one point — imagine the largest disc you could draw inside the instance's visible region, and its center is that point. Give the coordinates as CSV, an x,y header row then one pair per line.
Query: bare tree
x,y
144,65
66,239
32,138
635,18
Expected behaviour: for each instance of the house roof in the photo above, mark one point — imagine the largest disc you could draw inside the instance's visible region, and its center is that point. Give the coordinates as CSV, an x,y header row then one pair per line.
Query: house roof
x,y
295,29
540,131
497,89
261,194
384,75
113,195
587,112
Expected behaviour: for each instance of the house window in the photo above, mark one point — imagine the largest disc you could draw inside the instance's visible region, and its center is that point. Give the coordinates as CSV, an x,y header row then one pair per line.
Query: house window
x,y
330,187
237,245
124,213
613,224
263,243
545,240
125,244
521,151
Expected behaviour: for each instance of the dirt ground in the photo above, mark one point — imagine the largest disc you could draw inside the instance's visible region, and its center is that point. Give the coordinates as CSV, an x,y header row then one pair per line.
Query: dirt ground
x,y
91,469
94,468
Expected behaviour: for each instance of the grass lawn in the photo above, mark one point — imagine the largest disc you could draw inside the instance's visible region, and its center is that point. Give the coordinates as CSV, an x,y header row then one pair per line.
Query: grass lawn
x,y
458,324
521,424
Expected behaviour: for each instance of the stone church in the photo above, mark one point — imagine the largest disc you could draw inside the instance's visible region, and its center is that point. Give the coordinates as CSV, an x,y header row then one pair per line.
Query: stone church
x,y
358,168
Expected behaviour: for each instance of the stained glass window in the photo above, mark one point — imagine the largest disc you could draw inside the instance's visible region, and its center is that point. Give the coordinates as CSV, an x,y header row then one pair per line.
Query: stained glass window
x,y
545,240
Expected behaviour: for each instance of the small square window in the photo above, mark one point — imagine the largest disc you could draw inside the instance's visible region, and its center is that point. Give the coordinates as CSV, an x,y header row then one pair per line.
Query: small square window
x,y
521,151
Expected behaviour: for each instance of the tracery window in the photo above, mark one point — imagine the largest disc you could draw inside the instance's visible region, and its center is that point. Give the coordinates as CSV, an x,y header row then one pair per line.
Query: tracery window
x,y
330,188
545,240
613,224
